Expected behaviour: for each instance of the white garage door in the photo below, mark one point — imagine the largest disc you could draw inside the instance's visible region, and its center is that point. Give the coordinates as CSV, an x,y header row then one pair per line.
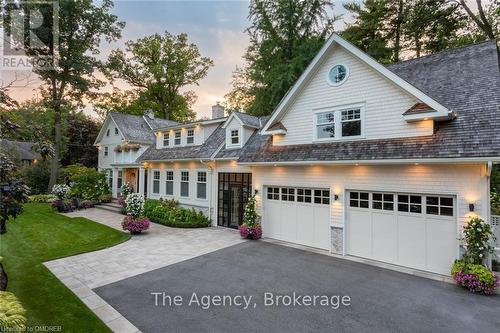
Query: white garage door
x,y
298,215
406,229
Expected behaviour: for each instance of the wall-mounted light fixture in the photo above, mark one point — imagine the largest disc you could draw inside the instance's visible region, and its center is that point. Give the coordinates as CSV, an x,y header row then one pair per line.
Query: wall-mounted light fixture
x,y
335,197
256,191
471,207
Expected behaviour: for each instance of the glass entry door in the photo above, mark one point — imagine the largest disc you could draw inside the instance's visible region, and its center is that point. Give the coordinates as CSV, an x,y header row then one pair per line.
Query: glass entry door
x,y
233,192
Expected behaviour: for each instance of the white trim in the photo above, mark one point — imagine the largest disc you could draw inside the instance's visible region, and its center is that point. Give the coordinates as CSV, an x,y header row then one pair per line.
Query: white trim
x,y
104,127
337,84
183,181
386,161
153,181
337,111
228,120
198,182
336,39
173,182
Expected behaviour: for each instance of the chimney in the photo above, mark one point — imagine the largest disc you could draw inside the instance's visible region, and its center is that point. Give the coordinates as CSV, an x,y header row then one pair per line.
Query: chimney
x,y
149,113
217,111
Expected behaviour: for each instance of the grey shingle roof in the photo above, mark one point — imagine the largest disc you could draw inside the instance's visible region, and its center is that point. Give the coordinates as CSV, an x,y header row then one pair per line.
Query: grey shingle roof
x,y
133,128
465,80
160,123
248,120
205,151
19,149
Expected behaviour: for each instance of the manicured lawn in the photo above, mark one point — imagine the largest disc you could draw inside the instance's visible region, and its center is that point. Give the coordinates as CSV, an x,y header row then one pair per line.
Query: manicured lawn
x,y
40,235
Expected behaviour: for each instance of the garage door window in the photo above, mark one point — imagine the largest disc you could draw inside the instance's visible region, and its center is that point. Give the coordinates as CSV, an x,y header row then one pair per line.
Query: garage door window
x,y
322,197
304,195
439,206
273,193
410,203
287,194
383,201
359,199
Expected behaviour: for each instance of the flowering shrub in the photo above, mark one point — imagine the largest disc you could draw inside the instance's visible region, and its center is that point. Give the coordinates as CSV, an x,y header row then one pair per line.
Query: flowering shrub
x,y
475,278
86,204
135,204
105,198
41,198
250,232
61,191
479,240
126,189
495,203
135,225
250,229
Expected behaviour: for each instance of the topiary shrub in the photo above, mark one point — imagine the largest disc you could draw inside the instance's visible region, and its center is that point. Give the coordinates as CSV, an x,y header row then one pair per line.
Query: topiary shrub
x,y
134,204
126,189
250,228
12,313
479,240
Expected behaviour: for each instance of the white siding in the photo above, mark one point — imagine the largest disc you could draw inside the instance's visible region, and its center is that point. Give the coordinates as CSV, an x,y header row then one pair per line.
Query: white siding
x,y
467,182
384,102
111,142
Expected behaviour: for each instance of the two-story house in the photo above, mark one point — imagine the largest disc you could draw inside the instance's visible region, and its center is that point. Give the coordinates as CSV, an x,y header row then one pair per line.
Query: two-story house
x,y
375,163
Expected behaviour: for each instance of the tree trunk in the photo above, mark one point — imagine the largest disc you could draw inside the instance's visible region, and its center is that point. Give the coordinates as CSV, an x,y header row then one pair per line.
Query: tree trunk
x,y
3,227
54,167
3,278
397,41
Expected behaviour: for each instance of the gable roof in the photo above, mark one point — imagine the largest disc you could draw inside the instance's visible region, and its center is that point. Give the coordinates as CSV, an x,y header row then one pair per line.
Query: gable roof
x,y
466,80
442,111
19,149
244,119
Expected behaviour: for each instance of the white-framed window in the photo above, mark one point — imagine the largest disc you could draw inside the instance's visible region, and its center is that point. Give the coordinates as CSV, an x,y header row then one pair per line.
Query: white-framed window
x,y
235,137
156,181
116,130
384,201
339,123
410,203
287,194
190,136
438,205
177,138
337,75
322,197
119,179
106,151
184,184
304,195
107,132
169,182
273,193
110,178
166,139
359,199
201,185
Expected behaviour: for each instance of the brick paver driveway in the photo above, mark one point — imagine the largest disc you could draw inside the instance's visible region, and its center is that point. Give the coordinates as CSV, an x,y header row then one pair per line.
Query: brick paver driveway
x,y
160,246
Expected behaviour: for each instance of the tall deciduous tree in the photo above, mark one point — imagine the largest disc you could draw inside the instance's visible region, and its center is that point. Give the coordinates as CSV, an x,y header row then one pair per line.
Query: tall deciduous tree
x,y
82,26
285,35
486,17
159,67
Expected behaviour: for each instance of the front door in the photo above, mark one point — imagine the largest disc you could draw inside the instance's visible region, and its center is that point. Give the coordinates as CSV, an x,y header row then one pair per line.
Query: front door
x,y
233,190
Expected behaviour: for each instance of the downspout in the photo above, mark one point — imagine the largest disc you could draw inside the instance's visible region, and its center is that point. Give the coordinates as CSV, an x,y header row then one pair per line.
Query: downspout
x,y
211,188
489,168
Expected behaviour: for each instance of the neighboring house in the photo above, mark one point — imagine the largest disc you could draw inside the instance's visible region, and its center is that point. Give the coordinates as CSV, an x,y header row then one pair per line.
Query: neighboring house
x,y
22,151
370,162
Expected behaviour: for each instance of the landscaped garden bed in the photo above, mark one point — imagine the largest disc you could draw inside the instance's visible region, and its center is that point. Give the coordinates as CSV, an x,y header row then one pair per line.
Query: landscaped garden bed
x,y
167,212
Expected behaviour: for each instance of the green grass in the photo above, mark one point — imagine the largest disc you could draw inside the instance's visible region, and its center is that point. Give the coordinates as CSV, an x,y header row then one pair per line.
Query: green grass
x,y
40,235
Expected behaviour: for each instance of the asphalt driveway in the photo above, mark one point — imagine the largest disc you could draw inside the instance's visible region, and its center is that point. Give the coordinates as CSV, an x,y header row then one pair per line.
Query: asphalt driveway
x,y
205,294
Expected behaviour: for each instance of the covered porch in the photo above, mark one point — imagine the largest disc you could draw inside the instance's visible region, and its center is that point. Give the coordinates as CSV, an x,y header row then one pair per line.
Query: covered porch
x,y
134,174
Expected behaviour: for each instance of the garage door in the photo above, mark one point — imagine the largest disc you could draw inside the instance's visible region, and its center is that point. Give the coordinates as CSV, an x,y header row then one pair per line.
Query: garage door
x,y
406,229
298,215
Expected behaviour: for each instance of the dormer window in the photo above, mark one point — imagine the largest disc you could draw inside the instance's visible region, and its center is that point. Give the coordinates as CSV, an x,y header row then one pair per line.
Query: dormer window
x,y
235,137
190,136
166,139
337,124
177,139
116,130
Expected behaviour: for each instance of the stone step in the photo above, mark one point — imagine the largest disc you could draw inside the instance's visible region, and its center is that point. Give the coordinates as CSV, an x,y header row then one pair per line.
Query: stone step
x,y
112,204
109,208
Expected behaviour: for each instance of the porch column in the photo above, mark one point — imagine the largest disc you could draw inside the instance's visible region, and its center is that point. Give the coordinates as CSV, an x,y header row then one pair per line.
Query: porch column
x,y
114,183
150,176
141,180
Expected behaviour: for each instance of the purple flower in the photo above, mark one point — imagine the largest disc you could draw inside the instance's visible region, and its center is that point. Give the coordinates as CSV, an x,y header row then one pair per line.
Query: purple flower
x,y
135,225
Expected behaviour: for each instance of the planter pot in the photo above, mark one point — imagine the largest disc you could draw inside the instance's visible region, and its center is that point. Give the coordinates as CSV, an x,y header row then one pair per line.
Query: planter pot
x,y
135,232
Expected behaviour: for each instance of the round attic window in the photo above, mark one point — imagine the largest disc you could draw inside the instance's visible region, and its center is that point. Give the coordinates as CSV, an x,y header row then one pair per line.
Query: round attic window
x,y
337,75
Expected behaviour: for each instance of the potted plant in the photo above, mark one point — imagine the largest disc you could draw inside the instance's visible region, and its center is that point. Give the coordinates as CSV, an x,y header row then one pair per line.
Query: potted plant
x,y
61,192
250,228
470,272
133,222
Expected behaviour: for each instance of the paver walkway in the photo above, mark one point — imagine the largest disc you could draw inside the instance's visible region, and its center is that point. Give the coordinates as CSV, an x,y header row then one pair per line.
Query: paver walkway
x,y
160,246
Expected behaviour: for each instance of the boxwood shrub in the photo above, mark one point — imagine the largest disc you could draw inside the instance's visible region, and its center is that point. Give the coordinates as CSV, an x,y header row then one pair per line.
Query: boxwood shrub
x,y
160,212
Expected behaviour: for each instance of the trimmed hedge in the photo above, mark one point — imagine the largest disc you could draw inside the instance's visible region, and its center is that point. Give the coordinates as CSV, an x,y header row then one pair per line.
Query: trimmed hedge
x,y
41,198
160,212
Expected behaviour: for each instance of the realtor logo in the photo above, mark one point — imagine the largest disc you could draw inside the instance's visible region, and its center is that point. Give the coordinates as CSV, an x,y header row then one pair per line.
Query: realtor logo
x,y
30,31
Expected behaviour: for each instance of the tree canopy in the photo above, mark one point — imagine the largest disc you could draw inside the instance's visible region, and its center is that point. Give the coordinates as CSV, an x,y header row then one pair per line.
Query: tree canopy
x,y
158,68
